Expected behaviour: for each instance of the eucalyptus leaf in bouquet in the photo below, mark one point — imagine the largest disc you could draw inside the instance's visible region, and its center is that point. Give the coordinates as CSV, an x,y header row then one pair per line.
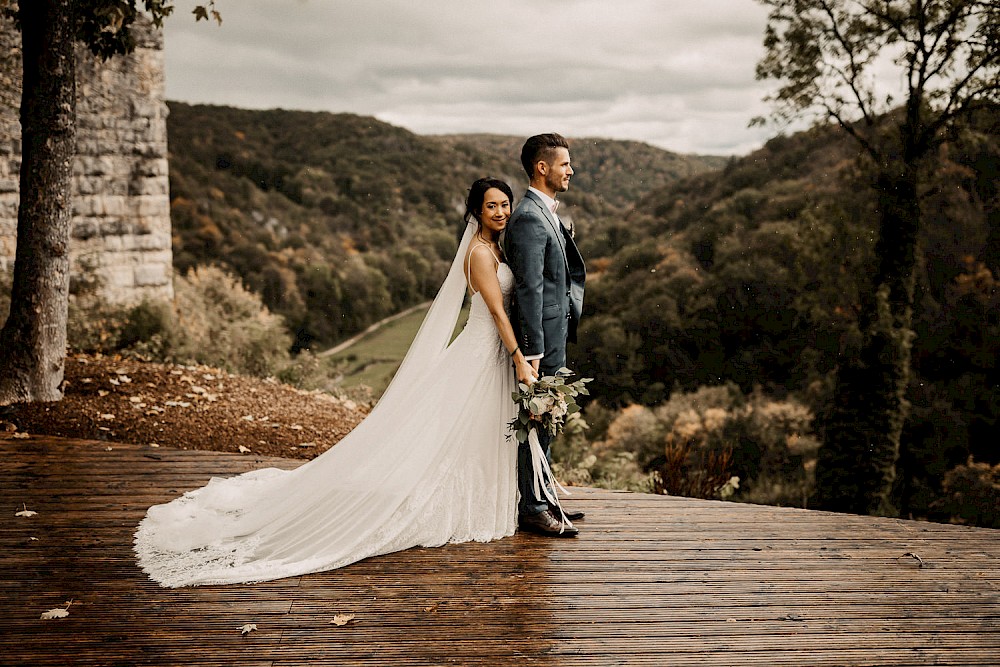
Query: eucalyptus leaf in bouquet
x,y
546,403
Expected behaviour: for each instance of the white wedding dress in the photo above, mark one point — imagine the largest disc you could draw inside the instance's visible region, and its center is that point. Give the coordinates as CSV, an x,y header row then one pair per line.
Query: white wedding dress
x,y
431,464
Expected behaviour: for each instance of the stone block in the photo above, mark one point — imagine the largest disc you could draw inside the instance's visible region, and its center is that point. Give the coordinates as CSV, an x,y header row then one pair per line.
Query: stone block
x,y
8,211
84,229
117,277
85,207
115,205
164,256
115,243
115,227
153,206
153,242
143,185
151,274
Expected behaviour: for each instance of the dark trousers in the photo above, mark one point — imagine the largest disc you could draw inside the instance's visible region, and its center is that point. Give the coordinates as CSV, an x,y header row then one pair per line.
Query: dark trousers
x,y
528,502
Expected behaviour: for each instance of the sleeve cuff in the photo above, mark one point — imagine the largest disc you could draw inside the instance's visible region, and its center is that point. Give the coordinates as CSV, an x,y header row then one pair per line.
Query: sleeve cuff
x,y
532,357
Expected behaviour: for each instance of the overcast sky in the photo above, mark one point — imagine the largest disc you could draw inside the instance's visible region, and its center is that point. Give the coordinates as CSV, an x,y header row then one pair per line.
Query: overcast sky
x,y
678,74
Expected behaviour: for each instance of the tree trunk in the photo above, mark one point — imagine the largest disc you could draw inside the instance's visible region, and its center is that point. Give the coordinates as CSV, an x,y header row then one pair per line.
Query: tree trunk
x,y
33,340
862,429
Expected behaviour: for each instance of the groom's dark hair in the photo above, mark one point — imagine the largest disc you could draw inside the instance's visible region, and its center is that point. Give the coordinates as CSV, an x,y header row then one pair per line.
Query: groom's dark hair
x,y
540,147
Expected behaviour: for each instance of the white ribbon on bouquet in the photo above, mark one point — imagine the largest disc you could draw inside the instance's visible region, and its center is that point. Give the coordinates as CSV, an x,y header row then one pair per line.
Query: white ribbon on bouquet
x,y
542,475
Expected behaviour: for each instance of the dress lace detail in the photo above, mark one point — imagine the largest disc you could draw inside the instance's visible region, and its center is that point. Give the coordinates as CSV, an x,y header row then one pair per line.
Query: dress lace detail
x,y
430,465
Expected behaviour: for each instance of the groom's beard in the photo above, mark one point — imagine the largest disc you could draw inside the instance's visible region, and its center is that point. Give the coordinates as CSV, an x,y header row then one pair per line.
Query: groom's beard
x,y
556,184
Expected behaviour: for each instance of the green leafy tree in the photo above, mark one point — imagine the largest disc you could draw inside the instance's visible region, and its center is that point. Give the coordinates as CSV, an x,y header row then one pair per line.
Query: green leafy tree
x,y
828,54
33,339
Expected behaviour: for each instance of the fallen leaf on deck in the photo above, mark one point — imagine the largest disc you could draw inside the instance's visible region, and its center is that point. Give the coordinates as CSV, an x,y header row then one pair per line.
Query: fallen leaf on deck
x,y
21,436
910,554
247,629
342,619
24,511
58,612
244,449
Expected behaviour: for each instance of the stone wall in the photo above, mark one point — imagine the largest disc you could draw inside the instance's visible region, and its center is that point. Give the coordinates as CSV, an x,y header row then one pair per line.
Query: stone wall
x,y
121,205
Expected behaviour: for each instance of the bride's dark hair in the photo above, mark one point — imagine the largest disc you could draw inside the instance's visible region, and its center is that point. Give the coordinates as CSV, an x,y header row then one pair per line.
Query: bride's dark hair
x,y
477,193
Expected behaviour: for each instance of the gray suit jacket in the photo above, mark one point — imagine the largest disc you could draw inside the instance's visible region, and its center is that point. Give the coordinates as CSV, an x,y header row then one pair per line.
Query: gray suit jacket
x,y
549,277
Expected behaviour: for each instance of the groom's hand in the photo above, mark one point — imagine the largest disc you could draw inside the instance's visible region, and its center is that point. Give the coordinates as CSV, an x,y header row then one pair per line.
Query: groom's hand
x,y
534,364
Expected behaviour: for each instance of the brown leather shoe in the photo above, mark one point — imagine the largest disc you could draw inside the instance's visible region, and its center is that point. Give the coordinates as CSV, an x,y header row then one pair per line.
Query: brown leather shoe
x,y
572,516
544,523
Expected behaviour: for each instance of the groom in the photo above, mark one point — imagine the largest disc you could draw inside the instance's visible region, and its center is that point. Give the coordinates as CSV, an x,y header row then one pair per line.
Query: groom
x,y
548,298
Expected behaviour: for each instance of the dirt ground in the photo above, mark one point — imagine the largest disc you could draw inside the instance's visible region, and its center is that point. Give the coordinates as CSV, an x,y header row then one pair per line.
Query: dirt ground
x,y
187,407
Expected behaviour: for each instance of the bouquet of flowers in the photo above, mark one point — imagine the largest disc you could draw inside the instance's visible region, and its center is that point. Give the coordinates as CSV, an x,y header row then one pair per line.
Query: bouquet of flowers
x,y
545,405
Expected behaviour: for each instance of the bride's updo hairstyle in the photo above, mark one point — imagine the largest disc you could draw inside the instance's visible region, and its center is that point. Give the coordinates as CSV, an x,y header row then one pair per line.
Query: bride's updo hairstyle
x,y
477,193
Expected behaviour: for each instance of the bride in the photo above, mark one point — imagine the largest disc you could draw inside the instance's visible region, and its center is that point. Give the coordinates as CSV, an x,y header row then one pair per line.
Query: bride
x,y
430,465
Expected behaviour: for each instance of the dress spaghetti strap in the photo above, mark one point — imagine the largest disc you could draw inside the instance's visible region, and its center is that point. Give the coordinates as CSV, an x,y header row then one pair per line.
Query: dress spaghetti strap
x,y
468,268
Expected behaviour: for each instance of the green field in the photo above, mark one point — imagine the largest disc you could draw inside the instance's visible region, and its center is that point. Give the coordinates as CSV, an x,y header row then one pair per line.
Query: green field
x,y
373,360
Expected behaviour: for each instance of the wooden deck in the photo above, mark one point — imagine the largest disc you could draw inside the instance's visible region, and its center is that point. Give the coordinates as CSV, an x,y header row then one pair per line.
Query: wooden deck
x,y
651,580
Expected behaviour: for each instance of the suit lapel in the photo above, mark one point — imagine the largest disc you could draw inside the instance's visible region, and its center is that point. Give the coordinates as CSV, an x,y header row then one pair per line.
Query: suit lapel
x,y
553,223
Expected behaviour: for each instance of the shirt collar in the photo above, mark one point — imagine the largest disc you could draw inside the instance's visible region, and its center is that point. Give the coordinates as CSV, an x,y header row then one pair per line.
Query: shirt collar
x,y
549,202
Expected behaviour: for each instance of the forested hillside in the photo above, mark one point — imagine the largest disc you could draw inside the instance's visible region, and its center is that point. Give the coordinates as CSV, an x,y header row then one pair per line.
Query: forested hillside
x,y
750,275
721,294
338,220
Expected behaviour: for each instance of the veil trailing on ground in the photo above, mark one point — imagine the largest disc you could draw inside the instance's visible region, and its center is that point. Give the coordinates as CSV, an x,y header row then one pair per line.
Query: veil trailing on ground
x,y
420,469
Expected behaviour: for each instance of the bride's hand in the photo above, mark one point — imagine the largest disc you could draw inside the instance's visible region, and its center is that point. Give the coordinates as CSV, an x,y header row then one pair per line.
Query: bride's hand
x,y
525,372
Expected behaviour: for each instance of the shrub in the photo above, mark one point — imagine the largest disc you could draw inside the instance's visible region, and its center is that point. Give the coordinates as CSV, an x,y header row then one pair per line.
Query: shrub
x,y
638,431
213,320
577,461
92,324
705,443
221,323
973,493
694,471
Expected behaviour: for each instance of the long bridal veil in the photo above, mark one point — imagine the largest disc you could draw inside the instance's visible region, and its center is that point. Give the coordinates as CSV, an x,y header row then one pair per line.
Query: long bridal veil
x,y
388,485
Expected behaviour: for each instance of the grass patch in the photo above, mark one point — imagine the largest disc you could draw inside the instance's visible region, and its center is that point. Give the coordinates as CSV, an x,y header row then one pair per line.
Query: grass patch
x,y
372,361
